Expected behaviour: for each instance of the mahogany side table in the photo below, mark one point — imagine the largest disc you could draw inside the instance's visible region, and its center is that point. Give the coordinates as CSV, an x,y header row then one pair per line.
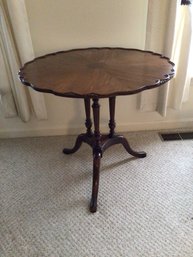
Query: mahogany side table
x,y
95,73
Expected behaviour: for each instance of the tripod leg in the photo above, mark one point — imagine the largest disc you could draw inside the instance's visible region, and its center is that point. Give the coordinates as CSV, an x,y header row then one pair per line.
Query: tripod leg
x,y
127,147
97,154
95,185
77,145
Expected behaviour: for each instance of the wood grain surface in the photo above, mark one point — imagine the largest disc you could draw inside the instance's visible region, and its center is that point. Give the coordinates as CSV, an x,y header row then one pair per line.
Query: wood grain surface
x,y
97,72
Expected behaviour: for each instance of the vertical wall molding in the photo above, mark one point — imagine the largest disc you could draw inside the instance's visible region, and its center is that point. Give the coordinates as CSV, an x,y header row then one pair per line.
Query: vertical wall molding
x,y
19,20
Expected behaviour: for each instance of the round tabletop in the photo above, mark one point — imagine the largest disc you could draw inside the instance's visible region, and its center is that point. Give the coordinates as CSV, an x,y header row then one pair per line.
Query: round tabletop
x,y
97,72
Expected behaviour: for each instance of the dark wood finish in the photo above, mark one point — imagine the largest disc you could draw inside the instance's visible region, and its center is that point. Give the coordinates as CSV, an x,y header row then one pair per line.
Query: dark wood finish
x,y
97,154
112,116
92,74
100,143
81,138
97,134
97,72
105,143
88,122
95,183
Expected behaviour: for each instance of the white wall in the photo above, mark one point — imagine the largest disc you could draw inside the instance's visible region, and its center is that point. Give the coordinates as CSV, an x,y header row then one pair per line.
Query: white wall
x,y
66,24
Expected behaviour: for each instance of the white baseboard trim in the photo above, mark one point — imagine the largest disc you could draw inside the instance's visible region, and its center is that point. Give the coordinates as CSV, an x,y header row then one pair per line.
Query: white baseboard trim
x,y
129,127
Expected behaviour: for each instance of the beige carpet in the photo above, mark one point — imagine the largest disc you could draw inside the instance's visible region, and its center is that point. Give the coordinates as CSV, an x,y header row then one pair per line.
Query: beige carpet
x,y
145,206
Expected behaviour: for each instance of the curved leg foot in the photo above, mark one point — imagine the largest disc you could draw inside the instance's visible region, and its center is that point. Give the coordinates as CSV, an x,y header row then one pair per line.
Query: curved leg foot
x,y
127,147
77,145
96,170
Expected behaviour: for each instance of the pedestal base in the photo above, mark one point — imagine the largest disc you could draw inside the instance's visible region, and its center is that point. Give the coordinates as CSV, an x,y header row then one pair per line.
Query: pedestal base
x,y
105,143
100,143
98,150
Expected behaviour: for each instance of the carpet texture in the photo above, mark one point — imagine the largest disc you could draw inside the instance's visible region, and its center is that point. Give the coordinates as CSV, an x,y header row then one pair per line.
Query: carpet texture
x,y
145,206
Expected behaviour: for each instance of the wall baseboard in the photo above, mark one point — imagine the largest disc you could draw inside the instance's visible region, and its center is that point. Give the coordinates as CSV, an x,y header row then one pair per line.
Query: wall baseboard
x,y
129,127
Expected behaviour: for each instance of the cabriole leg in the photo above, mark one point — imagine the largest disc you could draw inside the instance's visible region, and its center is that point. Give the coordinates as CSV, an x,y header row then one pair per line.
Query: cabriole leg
x,y
95,184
